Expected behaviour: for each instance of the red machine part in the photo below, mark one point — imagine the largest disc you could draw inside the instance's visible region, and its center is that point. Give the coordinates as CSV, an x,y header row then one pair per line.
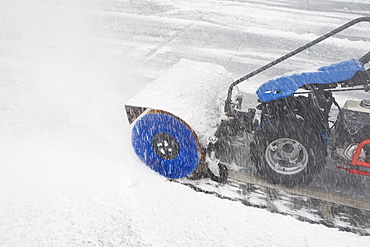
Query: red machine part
x,y
356,162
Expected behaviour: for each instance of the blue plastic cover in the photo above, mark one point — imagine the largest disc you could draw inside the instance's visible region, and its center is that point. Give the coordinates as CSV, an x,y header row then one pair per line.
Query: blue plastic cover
x,y
285,86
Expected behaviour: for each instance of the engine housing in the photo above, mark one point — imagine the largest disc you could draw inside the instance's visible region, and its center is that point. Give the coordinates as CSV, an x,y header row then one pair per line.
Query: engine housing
x,y
351,128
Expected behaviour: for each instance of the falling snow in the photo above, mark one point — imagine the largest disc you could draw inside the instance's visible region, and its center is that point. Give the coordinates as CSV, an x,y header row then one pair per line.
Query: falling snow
x,y
68,174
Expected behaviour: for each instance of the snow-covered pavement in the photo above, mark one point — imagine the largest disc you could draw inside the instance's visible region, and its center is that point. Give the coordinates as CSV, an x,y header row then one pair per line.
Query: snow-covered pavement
x,y
68,175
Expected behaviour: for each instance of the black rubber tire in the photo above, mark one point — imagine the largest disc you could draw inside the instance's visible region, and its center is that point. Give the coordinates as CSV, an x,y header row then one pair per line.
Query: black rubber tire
x,y
224,173
288,152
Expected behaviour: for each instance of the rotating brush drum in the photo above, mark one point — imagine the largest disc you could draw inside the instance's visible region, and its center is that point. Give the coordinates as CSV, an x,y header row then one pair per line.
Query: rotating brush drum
x,y
175,117
166,144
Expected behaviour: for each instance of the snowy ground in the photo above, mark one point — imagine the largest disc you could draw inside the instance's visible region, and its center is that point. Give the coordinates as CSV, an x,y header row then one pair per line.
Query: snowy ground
x,y
68,175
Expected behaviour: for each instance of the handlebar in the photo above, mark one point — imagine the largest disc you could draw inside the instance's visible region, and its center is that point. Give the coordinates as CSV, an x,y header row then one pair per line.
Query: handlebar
x,y
366,58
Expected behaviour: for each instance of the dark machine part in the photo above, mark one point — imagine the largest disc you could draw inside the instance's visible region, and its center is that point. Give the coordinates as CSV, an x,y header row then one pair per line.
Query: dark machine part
x,y
288,152
165,146
222,174
352,129
133,112
243,121
313,109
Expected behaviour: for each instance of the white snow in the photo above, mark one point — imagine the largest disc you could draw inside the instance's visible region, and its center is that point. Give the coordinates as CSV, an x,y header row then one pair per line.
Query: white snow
x,y
184,91
68,174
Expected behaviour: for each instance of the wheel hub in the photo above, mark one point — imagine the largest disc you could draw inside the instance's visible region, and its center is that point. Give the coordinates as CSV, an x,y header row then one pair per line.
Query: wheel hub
x,y
165,146
286,156
288,150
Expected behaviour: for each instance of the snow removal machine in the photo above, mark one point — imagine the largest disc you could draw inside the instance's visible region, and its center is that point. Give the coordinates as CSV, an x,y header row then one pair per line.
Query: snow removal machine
x,y
180,119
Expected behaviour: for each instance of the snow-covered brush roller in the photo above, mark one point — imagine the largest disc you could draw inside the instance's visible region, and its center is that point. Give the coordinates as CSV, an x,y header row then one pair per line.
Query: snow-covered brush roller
x,y
175,116
179,118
